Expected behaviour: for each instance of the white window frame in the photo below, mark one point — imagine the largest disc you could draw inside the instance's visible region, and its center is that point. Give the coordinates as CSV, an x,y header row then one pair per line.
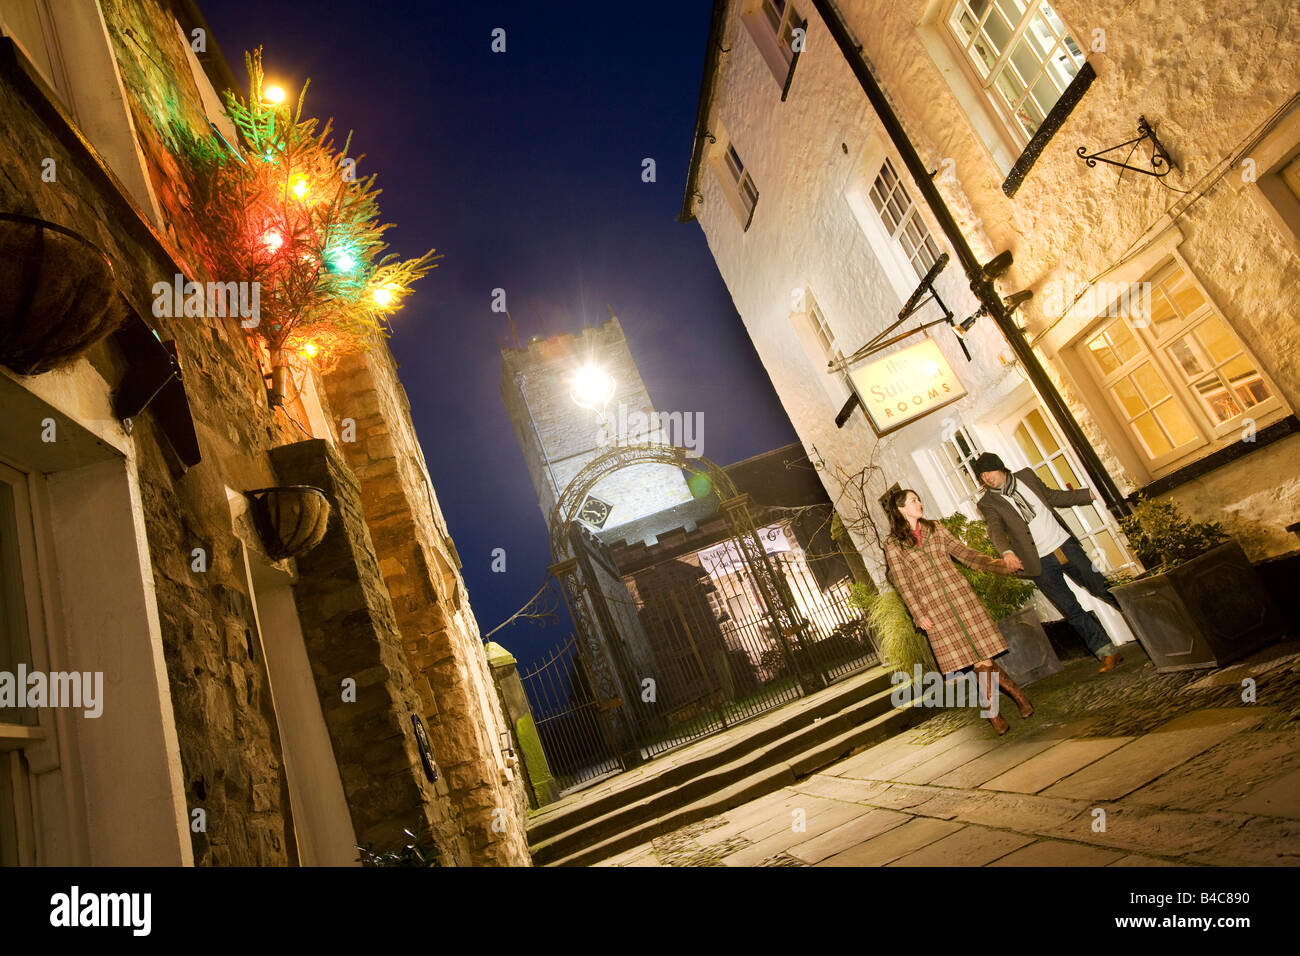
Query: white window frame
x,y
734,176
973,67
1211,434
947,468
775,40
889,196
818,338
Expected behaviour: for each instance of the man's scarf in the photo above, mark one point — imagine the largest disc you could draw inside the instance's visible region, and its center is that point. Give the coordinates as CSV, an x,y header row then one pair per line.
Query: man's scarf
x,y
1010,489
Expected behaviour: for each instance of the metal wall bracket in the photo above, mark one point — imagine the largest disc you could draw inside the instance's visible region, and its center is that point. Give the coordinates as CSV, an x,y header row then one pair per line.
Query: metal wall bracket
x,y
1160,158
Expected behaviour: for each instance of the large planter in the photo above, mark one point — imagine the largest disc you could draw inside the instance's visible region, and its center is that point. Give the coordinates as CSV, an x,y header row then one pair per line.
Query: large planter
x,y
290,520
1030,656
1204,613
58,295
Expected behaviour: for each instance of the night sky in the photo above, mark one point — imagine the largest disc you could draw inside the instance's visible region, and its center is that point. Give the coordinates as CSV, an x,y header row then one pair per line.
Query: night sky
x,y
523,169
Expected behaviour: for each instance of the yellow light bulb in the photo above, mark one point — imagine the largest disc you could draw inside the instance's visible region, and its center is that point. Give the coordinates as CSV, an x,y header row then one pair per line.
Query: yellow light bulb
x,y
309,349
300,187
383,295
274,94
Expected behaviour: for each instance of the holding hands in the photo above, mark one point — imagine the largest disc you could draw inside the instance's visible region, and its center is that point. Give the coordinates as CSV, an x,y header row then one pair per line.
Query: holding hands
x,y
1012,562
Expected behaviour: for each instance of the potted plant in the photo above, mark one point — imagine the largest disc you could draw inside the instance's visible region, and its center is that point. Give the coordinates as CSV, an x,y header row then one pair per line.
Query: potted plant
x,y
1007,598
1200,602
899,645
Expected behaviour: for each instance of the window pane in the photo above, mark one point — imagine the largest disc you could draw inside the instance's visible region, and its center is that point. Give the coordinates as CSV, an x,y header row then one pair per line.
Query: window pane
x,y
1072,520
1041,432
1101,353
1186,296
1218,341
1068,477
1110,552
965,24
1128,397
1152,437
1045,473
1045,94
1121,339
983,55
1149,381
997,30
1163,315
1009,85
1176,423
1026,443
1187,357
1030,116
1025,62
1246,381
1217,399
1014,10
1088,515
1040,37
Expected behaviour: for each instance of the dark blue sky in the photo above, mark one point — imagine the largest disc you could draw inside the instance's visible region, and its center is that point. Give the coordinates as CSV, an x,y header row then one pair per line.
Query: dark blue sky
x,y
524,170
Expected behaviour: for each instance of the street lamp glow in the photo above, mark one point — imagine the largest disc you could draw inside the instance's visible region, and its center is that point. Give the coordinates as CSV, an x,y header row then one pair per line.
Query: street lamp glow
x,y
383,296
592,388
274,94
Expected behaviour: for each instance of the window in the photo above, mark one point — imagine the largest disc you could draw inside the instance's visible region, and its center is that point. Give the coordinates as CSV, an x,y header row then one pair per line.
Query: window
x,y
902,220
826,349
957,461
738,184
1022,55
1048,460
773,25
1179,378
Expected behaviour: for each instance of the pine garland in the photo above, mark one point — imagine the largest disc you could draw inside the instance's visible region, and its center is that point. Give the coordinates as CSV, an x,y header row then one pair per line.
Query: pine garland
x,y
288,212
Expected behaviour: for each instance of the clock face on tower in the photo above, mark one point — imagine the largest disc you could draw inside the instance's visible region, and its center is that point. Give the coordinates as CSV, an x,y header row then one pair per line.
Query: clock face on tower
x,y
595,512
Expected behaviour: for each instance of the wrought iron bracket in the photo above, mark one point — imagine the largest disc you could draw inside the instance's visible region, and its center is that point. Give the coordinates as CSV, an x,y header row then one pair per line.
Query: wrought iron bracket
x,y
1159,155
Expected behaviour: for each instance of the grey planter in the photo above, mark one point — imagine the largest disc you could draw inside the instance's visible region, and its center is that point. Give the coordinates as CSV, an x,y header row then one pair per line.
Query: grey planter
x,y
1030,656
1205,613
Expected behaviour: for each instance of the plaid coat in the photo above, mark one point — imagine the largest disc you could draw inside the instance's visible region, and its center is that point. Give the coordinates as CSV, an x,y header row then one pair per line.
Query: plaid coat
x,y
961,632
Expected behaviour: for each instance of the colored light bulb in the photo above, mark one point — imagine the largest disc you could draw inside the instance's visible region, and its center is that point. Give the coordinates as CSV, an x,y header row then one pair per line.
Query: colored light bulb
x,y
343,261
309,349
273,240
274,94
383,296
300,187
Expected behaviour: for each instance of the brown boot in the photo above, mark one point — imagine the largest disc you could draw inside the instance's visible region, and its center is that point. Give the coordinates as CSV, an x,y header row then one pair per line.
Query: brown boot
x,y
988,699
1110,662
1014,690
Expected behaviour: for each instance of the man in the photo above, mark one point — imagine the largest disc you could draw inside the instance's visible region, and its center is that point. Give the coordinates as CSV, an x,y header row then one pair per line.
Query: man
x,y
1023,525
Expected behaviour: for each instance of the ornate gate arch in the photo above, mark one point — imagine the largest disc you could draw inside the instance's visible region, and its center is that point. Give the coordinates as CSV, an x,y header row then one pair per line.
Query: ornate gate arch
x,y
606,656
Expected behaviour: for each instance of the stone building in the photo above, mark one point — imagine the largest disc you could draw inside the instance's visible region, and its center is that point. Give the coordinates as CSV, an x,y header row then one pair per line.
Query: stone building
x,y
842,148
255,709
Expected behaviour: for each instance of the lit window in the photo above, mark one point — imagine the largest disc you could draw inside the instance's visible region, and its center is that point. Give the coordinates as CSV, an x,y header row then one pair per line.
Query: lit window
x,y
957,457
901,218
738,185
1022,54
1178,379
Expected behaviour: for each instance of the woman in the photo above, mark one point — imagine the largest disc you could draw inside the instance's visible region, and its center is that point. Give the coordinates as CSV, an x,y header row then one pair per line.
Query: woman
x,y
941,600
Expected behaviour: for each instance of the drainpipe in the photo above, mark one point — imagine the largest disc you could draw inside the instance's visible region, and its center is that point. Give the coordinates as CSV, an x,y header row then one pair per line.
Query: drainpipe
x,y
980,284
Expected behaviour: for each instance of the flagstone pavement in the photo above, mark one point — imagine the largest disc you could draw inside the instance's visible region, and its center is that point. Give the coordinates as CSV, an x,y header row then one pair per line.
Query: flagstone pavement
x,y
1132,768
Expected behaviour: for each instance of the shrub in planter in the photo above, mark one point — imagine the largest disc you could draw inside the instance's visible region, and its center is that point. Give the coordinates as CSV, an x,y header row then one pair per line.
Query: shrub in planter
x,y
1030,656
901,647
1200,602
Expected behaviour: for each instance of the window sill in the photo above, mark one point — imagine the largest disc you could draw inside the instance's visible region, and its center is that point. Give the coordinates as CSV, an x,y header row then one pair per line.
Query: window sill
x,y
1054,121
1217,459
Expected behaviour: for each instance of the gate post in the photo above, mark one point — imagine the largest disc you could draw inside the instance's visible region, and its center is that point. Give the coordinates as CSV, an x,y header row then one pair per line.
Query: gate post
x,y
771,585
532,758
608,677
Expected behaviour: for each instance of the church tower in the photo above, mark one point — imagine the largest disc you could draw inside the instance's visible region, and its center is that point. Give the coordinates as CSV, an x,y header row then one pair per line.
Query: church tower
x,y
559,436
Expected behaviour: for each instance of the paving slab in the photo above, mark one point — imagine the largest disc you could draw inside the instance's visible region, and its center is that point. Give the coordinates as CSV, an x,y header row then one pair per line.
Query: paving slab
x,y
995,762
1055,763
1059,853
1226,774
840,788
1137,859
895,843
758,811
1260,842
951,759
969,846
787,837
879,755
1142,760
899,796
1153,830
1023,812
858,830
913,755
1281,798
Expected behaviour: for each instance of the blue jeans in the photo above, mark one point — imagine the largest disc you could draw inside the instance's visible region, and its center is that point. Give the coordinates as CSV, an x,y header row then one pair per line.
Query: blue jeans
x,y
1051,581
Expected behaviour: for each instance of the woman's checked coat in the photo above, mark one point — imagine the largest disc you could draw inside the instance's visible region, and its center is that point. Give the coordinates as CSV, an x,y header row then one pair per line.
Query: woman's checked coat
x,y
962,633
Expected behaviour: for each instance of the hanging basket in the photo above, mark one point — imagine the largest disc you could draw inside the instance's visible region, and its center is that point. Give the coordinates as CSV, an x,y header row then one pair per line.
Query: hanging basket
x,y
58,294
291,520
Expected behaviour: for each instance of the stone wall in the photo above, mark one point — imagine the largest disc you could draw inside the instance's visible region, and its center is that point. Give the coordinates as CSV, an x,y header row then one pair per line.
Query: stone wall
x,y
439,633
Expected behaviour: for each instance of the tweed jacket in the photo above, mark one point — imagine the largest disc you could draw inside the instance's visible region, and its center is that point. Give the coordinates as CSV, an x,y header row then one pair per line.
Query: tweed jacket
x,y
961,631
1009,531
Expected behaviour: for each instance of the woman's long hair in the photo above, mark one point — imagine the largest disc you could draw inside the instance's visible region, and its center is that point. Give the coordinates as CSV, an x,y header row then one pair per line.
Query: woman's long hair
x,y
898,526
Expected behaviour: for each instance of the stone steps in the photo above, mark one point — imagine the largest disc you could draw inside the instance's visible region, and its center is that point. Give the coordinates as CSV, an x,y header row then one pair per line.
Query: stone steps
x,y
824,728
